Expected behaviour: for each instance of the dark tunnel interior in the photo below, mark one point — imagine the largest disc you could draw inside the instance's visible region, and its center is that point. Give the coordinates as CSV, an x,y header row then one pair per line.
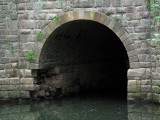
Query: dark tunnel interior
x,y
86,54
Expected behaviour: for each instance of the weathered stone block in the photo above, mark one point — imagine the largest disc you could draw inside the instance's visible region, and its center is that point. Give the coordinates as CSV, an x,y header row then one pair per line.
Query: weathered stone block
x,y
102,18
27,73
144,64
108,21
28,45
134,86
70,16
155,76
4,81
27,24
27,87
2,66
133,36
146,82
155,97
35,66
14,81
48,5
134,96
146,88
130,48
51,26
13,94
97,16
86,15
3,94
156,82
25,94
4,60
75,15
116,28
26,81
144,22
136,73
112,24
10,87
134,59
48,30
127,42
134,65
124,36
81,13
132,52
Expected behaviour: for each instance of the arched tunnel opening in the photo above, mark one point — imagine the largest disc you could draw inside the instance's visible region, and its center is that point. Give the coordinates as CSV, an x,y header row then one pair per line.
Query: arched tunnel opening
x,y
83,57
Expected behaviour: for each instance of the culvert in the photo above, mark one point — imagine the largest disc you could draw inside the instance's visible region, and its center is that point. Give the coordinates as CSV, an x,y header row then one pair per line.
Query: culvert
x,y
82,56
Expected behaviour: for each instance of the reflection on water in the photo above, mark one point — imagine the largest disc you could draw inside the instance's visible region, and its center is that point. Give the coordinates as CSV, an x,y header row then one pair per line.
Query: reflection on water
x,y
79,109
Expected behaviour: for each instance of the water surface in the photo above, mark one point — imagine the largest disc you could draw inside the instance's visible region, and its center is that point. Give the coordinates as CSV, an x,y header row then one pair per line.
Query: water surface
x,y
77,108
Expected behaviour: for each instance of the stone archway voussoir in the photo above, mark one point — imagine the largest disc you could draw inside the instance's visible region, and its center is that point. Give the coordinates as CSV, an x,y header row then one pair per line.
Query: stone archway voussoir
x,y
69,16
102,18
120,32
48,30
127,42
124,36
97,17
107,21
112,24
116,28
86,15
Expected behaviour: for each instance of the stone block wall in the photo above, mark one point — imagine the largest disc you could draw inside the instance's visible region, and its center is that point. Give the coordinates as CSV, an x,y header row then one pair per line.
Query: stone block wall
x,y
20,22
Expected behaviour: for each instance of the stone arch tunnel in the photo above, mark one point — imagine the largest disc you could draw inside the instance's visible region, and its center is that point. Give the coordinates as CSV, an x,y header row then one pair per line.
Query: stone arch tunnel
x,y
83,56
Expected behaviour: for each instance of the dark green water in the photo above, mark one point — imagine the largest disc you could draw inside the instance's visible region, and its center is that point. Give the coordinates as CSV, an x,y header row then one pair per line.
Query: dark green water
x,y
86,108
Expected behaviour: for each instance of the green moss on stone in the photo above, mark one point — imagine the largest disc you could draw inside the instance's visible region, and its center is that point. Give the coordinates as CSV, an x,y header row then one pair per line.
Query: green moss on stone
x,y
13,94
156,89
3,94
155,98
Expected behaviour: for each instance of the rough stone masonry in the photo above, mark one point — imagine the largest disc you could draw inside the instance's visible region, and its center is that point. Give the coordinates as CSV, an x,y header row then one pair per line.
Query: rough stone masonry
x,y
22,20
